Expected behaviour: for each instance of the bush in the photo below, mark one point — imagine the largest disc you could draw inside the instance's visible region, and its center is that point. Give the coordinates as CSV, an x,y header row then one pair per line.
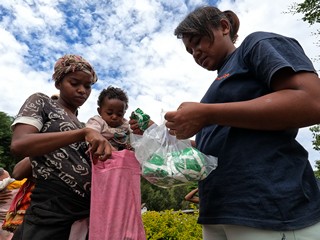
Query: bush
x,y
6,160
173,225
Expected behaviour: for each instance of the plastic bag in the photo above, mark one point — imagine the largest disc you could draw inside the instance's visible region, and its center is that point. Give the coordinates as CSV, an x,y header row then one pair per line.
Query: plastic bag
x,y
167,161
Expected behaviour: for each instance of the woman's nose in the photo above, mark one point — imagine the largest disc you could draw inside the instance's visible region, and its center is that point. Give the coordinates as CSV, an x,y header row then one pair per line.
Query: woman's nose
x,y
81,89
196,53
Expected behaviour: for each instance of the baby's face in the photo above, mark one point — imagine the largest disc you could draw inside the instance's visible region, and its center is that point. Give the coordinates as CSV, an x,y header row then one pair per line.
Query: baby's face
x,y
4,175
112,111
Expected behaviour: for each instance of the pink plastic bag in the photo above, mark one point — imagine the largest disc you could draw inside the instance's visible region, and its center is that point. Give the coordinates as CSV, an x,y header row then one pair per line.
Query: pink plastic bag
x,y
115,211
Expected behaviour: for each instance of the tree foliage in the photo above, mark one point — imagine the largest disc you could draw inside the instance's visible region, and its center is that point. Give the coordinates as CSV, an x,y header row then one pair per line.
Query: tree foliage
x,y
159,199
311,13
316,137
316,145
317,173
310,9
6,159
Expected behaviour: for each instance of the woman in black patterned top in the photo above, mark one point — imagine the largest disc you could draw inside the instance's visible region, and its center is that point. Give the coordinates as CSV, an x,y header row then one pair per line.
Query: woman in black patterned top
x,y
49,132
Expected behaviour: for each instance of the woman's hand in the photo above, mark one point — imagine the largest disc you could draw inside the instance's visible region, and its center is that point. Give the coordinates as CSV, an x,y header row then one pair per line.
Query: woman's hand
x,y
188,120
99,147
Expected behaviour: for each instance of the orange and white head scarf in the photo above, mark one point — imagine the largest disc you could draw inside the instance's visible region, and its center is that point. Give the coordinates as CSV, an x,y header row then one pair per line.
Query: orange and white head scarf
x,y
71,63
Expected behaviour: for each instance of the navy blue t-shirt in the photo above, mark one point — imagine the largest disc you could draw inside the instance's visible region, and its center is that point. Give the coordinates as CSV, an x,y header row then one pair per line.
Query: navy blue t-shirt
x,y
263,178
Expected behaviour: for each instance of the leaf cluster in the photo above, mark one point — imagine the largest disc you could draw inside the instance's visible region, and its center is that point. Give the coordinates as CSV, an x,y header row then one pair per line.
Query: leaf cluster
x,y
311,14
6,160
158,199
310,9
169,224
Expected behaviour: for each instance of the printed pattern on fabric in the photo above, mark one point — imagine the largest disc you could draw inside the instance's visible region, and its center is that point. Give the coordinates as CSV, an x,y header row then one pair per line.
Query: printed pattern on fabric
x,y
70,164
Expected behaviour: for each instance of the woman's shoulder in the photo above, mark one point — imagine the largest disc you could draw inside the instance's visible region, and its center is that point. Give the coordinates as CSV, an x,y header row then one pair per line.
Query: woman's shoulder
x,y
256,37
41,95
33,110
38,95
262,35
265,40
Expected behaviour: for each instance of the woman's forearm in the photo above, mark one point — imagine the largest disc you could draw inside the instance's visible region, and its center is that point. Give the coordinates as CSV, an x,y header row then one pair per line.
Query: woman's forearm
x,y
35,144
276,111
22,169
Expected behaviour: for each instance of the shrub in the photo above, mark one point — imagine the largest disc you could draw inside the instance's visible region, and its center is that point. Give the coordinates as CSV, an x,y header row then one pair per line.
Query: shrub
x,y
173,225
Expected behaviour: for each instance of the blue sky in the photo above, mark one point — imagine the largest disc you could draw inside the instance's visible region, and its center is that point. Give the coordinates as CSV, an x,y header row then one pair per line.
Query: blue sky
x,y
130,44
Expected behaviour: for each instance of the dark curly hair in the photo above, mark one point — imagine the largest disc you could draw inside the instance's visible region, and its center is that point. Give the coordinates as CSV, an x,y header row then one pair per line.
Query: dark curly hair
x,y
113,93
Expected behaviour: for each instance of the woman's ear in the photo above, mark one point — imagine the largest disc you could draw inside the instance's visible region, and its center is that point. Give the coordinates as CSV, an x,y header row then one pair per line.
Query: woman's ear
x,y
57,85
99,110
225,26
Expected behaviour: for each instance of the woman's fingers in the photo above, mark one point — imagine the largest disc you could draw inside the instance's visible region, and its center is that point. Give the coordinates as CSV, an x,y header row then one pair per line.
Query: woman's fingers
x,y
100,149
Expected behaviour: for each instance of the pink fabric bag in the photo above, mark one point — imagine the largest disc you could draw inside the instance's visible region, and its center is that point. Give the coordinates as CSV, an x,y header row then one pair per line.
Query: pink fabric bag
x,y
115,211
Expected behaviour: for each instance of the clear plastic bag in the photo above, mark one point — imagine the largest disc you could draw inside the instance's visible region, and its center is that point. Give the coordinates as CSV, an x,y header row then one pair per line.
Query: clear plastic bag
x,y
167,161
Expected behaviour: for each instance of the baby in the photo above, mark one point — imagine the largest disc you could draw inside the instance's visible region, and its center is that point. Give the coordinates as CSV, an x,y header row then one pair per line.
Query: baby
x,y
112,106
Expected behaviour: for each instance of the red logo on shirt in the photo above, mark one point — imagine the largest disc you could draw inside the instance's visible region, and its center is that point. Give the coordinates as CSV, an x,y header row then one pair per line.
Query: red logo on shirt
x,y
224,76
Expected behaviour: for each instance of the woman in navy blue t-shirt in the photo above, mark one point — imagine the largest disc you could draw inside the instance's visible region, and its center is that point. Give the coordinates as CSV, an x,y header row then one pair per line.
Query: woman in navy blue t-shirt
x,y
266,89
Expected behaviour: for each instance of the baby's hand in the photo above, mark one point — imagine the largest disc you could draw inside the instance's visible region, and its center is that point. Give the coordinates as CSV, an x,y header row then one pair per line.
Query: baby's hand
x,y
135,126
142,119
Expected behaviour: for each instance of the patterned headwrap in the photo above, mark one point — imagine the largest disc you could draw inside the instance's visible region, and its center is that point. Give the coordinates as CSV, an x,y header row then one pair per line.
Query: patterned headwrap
x,y
71,63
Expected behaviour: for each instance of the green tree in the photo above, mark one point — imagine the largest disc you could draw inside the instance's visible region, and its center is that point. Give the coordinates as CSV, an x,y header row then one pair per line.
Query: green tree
x,y
316,145
311,13
317,173
160,199
6,159
310,9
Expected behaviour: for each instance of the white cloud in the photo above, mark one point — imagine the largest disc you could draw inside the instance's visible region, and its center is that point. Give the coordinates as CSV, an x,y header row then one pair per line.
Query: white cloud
x,y
131,45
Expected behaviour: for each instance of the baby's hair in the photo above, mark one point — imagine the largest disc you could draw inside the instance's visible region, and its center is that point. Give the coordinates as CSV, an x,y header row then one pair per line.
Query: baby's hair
x,y
1,171
55,97
113,93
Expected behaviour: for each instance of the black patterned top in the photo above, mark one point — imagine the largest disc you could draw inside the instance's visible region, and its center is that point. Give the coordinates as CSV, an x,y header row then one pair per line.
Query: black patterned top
x,y
69,164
